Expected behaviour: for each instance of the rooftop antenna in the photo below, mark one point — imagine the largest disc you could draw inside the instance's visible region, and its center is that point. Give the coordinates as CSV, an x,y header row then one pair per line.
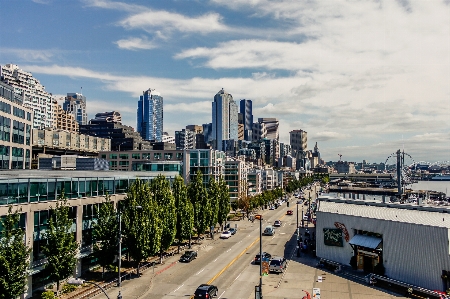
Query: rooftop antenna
x,y
340,156
81,90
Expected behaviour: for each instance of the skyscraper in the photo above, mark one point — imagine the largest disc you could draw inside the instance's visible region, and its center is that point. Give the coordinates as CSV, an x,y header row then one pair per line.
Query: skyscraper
x,y
150,115
247,113
224,119
75,104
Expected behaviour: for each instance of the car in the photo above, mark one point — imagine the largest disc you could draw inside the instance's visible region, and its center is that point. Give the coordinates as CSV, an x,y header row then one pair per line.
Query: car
x,y
277,223
266,257
206,291
225,234
188,256
269,231
272,208
277,264
299,202
306,203
290,212
305,218
232,231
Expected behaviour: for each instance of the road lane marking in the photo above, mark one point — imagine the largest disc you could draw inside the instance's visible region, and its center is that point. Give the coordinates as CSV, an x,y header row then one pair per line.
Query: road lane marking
x,y
200,271
221,295
178,288
238,276
229,250
215,260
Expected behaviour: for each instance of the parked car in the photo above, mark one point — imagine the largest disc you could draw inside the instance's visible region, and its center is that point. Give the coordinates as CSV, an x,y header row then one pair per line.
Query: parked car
x,y
277,264
272,208
225,234
188,256
232,231
266,256
269,231
277,223
206,291
290,212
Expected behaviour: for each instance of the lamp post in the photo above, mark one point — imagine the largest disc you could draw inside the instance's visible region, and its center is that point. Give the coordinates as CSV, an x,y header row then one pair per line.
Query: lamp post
x,y
258,295
119,296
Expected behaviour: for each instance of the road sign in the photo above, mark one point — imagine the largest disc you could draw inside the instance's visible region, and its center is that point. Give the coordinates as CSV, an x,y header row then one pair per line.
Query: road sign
x,y
316,293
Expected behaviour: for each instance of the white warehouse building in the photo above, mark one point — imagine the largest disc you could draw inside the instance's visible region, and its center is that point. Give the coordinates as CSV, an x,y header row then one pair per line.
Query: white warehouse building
x,y
411,241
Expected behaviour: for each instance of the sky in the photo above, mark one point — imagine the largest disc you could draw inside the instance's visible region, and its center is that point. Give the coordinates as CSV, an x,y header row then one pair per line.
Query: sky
x,y
362,78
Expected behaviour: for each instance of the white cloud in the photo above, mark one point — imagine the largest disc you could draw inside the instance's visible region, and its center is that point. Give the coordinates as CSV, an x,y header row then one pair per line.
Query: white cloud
x,y
136,43
31,55
122,6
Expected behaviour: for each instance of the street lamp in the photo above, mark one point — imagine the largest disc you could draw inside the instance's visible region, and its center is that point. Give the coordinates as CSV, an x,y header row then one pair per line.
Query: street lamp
x,y
76,281
119,296
259,217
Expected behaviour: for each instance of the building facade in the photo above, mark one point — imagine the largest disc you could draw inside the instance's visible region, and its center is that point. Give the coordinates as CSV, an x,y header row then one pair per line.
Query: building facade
x,y
224,119
150,116
75,104
246,108
32,92
16,123
63,120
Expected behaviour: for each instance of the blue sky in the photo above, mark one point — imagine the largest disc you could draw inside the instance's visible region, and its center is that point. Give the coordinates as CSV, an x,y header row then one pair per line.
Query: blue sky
x,y
363,78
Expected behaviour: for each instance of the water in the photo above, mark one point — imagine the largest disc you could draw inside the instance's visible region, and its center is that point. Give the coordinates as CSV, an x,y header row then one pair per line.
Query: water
x,y
443,186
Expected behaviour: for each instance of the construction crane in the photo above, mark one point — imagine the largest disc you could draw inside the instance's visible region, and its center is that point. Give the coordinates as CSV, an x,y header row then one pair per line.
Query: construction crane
x,y
340,156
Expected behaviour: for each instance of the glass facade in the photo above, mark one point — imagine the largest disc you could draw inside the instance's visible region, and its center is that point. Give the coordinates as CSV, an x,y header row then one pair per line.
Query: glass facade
x,y
150,116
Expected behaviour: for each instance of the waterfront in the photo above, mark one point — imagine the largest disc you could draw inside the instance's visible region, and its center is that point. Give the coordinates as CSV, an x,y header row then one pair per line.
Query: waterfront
x,y
443,186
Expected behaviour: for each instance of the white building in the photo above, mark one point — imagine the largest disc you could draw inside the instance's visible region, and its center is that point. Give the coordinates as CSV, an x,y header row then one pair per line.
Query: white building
x,y
411,242
224,119
33,93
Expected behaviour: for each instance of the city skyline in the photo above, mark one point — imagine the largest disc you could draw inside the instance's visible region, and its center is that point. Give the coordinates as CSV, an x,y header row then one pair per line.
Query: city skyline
x,y
363,79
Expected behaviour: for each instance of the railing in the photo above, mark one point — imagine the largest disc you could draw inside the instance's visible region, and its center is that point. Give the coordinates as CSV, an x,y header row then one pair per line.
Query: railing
x,y
412,290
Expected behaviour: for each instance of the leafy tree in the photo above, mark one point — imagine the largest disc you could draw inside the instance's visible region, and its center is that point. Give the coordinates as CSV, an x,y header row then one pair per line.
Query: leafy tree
x,y
185,210
199,198
142,230
167,211
214,197
105,233
61,247
224,202
14,254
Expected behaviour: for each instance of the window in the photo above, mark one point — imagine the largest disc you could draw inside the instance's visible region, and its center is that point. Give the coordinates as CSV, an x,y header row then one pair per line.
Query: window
x,y
124,156
168,156
113,156
157,156
136,156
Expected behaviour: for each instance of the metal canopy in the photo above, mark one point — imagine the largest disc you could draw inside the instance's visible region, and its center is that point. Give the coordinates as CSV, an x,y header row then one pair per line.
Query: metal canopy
x,y
365,241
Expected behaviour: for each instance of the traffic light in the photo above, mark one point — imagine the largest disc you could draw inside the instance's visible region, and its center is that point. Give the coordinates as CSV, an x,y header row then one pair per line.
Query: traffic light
x,y
259,217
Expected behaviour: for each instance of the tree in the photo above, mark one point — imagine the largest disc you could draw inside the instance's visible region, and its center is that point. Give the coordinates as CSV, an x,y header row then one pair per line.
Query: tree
x,y
214,197
199,199
185,210
61,247
163,196
142,233
14,254
105,233
224,202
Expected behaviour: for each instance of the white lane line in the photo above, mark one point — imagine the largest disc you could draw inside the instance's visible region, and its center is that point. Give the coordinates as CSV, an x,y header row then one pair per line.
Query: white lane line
x,y
200,271
238,276
221,295
229,250
178,288
215,260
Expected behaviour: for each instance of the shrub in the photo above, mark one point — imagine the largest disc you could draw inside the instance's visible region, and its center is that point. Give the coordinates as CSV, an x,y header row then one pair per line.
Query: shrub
x,y
48,295
67,288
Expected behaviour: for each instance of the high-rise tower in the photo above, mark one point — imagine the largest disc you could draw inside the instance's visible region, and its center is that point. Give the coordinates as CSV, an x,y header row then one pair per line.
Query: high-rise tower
x,y
75,104
150,115
247,113
224,119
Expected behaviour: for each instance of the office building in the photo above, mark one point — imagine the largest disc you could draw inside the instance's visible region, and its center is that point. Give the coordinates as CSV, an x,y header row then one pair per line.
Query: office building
x,y
168,138
271,128
224,119
299,142
246,109
285,149
16,123
75,104
32,92
184,139
63,120
150,116
110,116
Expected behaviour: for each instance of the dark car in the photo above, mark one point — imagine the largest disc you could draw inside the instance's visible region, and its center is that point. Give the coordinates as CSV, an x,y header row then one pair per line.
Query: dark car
x,y
206,291
188,256
290,212
266,256
232,231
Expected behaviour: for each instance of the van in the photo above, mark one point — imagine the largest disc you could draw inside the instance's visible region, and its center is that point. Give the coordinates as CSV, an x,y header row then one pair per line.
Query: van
x,y
269,231
277,264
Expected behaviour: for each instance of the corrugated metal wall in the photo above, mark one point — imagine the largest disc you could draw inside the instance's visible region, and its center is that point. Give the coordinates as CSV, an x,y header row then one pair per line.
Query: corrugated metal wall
x,y
412,253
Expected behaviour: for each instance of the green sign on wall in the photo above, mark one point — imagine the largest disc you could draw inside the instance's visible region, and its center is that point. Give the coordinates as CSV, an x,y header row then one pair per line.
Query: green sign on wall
x,y
332,237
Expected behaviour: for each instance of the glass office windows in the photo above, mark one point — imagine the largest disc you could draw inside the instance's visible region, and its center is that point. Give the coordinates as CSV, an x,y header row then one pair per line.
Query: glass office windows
x,y
75,193
103,156
22,186
27,159
123,156
100,187
51,189
17,158
59,187
113,156
124,163
203,154
3,193
94,187
81,187
157,156
113,164
108,186
121,185
136,156
168,156
4,157
38,190
28,135
5,128
146,155
179,156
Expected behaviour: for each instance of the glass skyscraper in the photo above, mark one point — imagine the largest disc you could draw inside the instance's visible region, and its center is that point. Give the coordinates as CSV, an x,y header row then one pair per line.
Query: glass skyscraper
x,y
224,119
247,113
150,115
75,104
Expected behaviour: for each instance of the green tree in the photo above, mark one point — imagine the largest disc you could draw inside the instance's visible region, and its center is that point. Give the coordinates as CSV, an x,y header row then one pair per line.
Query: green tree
x,y
142,230
105,233
224,202
14,254
199,198
214,197
163,196
61,247
185,211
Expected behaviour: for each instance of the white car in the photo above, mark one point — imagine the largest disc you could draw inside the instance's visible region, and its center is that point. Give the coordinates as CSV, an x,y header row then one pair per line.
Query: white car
x,y
225,235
